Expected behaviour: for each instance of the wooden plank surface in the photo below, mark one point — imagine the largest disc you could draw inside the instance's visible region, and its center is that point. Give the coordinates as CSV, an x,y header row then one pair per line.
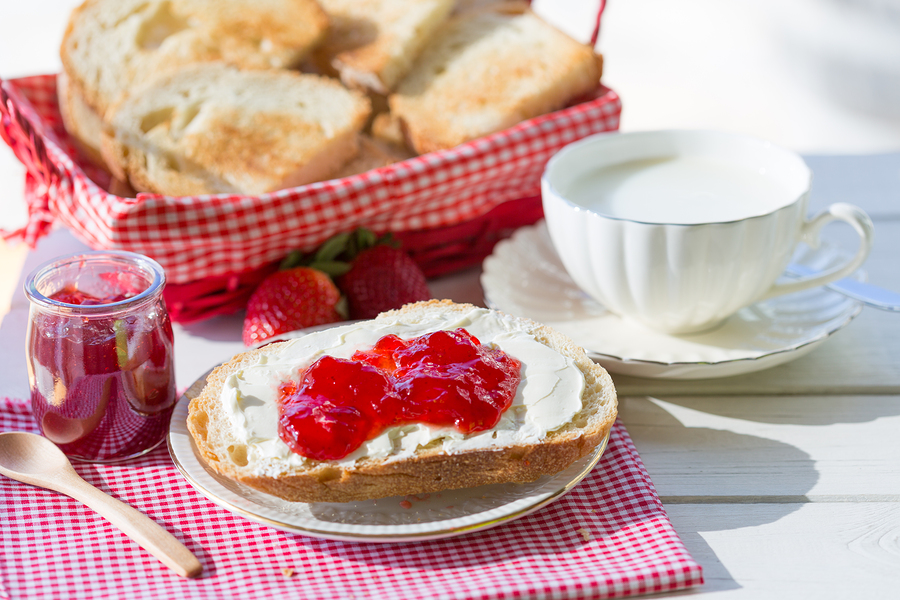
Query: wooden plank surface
x,y
778,496
795,551
768,448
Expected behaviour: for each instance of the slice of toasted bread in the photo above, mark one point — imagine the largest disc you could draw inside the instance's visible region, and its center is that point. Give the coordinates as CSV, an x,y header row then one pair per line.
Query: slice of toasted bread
x,y
210,128
430,468
372,44
487,70
109,45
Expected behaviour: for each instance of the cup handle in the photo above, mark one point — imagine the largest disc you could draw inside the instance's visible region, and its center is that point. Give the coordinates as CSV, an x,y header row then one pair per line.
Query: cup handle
x,y
839,211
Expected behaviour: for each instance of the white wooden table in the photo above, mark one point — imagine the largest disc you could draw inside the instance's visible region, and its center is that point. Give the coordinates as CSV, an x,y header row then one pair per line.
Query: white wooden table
x,y
786,482
783,483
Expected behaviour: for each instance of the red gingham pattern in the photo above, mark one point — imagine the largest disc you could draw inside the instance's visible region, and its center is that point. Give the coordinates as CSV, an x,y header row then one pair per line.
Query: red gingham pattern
x,y
206,236
608,537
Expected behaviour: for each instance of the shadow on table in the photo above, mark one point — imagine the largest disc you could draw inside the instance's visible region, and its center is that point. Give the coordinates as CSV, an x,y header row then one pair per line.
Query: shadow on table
x,y
225,328
696,467
716,577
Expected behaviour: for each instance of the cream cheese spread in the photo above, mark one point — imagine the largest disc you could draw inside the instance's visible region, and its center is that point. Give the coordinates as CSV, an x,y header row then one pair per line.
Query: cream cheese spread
x,y
548,396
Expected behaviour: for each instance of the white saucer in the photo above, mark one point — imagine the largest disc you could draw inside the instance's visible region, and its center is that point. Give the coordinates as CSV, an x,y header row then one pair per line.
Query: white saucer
x,y
525,277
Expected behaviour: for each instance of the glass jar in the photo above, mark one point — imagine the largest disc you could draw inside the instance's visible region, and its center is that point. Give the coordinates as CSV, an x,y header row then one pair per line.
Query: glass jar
x,y
99,349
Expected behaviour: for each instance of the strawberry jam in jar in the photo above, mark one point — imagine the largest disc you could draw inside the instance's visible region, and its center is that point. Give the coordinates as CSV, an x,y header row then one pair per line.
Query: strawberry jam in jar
x,y
99,349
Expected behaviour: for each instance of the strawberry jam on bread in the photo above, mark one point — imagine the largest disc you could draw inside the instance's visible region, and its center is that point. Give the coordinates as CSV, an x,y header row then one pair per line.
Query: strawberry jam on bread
x,y
442,379
562,408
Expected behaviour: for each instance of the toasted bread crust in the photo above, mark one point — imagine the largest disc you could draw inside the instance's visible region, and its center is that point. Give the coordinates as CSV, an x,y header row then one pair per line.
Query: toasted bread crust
x,y
430,470
80,120
209,128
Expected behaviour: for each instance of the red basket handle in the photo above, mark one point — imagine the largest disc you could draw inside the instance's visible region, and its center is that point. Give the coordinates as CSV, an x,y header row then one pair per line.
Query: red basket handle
x,y
596,33
43,176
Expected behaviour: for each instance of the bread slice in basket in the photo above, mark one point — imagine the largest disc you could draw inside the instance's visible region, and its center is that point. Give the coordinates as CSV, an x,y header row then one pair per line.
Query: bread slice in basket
x,y
422,468
372,44
210,128
486,70
111,45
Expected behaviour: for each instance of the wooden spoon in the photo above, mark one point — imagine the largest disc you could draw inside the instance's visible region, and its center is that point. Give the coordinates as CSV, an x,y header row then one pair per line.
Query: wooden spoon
x,y
35,460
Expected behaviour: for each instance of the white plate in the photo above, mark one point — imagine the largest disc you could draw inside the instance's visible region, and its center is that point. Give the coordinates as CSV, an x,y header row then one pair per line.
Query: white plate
x,y
398,519
525,277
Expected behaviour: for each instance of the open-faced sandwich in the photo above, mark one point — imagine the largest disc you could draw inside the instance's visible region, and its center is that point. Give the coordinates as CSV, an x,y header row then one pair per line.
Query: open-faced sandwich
x,y
432,396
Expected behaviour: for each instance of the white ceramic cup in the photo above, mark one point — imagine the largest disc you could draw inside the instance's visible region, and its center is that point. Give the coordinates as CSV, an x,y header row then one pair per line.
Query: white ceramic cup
x,y
680,229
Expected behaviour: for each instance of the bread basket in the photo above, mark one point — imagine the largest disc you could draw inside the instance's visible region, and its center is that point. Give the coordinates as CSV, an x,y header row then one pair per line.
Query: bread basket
x,y
448,207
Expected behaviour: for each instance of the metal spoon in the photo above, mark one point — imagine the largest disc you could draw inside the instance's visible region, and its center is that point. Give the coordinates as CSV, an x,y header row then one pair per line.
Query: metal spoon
x,y
35,460
866,293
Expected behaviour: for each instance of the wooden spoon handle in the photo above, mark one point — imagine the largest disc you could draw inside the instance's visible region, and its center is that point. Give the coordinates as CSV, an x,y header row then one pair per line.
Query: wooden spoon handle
x,y
140,528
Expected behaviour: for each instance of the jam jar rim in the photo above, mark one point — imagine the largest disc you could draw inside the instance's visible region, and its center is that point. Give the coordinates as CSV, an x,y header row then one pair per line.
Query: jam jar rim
x,y
144,262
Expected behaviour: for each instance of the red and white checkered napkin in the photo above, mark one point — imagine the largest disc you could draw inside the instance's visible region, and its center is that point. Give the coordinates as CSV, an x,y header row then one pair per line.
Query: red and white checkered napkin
x,y
608,537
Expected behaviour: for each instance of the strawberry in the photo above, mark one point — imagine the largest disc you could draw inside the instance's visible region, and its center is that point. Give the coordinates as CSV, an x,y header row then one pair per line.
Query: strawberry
x,y
290,299
380,278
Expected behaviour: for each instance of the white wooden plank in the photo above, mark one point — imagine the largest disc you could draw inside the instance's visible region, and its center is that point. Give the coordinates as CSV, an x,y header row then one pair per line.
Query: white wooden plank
x,y
796,551
768,448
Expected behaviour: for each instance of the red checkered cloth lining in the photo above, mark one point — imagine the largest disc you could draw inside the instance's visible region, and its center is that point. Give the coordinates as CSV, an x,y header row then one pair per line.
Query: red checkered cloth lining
x,y
206,236
56,548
